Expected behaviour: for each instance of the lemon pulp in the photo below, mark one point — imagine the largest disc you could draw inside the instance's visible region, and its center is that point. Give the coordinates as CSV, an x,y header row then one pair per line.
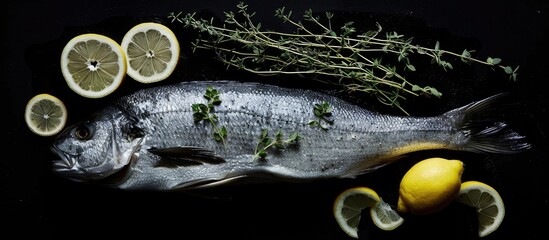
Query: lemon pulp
x,y
349,205
384,217
152,52
45,115
488,203
93,65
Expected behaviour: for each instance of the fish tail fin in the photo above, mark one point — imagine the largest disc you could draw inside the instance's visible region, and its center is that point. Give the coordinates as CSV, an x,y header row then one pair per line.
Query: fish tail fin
x,y
483,133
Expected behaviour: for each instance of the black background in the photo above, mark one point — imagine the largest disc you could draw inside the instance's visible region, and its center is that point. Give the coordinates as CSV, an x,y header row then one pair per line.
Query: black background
x,y
33,202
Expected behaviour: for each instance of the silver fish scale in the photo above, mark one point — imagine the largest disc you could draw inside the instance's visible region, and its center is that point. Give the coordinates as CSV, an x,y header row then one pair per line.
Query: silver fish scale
x,y
357,135
358,141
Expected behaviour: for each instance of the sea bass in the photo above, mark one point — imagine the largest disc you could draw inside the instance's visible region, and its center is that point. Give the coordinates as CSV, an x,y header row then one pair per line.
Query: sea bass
x,y
161,139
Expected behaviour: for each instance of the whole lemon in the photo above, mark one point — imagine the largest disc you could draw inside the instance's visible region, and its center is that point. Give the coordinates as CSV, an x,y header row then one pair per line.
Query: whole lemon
x,y
429,186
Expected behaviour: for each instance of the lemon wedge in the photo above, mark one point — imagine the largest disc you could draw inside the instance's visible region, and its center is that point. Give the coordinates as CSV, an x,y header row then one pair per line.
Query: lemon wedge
x,y
93,65
45,114
488,203
152,51
349,205
384,217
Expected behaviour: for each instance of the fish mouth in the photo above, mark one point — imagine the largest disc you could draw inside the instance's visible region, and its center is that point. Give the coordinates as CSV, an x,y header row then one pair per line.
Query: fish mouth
x,y
66,165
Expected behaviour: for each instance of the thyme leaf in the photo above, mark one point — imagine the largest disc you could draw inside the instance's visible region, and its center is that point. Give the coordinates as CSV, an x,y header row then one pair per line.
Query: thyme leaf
x,y
205,112
323,111
266,142
318,50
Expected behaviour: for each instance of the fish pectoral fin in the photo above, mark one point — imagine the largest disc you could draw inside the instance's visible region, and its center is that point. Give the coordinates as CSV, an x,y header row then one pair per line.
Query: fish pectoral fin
x,y
208,183
186,156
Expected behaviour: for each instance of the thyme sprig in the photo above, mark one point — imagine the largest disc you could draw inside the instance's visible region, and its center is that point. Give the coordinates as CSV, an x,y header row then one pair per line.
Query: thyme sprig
x,y
353,61
204,112
265,142
323,111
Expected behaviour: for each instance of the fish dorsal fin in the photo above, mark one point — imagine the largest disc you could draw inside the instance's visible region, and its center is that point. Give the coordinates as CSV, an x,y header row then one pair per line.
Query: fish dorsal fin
x,y
186,156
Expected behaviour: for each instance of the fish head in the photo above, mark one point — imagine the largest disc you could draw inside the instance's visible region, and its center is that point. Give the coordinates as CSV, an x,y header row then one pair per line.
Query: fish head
x,y
97,148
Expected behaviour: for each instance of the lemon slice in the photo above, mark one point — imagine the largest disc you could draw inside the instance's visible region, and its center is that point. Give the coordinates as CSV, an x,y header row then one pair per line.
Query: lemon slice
x,y
93,65
486,200
349,205
152,52
384,217
45,115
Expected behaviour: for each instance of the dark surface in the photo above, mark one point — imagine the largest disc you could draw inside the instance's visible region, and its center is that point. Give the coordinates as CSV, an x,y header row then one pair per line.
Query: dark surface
x,y
34,202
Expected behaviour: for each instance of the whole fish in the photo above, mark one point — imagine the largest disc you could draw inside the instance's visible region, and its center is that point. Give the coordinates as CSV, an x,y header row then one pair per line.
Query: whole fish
x,y
155,139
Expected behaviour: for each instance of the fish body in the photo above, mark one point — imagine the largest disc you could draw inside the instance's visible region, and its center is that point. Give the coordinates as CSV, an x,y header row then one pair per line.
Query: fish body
x,y
152,140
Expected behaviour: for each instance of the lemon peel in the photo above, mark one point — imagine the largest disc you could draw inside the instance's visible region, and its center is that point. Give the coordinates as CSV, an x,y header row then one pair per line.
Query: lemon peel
x,y
429,186
384,217
45,114
152,51
93,65
348,206
487,202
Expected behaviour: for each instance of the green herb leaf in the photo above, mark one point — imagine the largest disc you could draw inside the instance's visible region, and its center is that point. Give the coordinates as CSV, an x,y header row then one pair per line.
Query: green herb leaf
x,y
322,52
508,70
411,67
265,142
217,136
466,54
264,133
323,111
204,112
294,137
262,153
435,92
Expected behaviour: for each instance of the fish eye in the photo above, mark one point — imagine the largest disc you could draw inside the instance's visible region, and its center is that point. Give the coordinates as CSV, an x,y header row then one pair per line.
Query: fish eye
x,y
83,132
